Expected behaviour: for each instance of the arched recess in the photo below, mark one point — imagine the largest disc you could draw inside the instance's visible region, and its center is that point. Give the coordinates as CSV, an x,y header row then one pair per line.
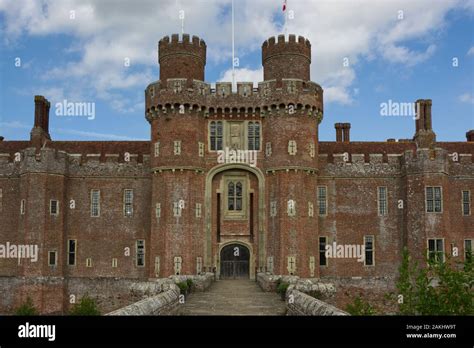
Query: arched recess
x,y
208,257
244,244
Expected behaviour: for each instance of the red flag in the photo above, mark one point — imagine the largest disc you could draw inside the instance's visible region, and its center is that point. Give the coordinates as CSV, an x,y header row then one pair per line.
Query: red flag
x,y
284,6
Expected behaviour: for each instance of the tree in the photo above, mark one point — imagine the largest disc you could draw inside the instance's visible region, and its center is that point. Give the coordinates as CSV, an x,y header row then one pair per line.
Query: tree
x,y
441,288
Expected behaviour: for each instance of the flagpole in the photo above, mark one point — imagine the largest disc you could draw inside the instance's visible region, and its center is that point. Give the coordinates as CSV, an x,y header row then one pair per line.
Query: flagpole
x,y
286,18
233,48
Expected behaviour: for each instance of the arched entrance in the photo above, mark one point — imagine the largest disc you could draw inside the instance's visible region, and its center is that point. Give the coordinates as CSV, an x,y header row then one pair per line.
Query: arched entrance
x,y
235,262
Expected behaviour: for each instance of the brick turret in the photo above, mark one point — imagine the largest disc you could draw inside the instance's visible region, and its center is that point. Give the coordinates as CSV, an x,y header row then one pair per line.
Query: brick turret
x,y
182,57
286,59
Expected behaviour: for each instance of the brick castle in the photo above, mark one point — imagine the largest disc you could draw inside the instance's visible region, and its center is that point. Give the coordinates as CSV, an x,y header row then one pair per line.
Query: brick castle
x,y
189,201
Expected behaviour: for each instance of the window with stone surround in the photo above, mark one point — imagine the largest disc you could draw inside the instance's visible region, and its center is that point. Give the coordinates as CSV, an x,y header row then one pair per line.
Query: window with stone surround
x,y
128,202
273,208
382,200
157,149
177,147
71,252
312,150
53,207
198,210
114,263
140,250
322,251
322,201
234,196
158,210
436,250
88,262
52,258
434,199
466,203
216,134
23,206
201,149
369,251
253,136
292,147
95,203
268,149
468,249
291,207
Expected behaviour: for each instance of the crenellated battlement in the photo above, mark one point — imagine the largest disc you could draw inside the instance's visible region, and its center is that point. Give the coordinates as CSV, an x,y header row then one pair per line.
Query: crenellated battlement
x,y
181,57
286,45
295,97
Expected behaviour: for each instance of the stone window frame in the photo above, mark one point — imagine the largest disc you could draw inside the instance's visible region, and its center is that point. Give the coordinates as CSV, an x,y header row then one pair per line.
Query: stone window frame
x,y
471,242
23,207
51,207
177,147
310,209
140,253
198,210
434,200
291,207
312,150
291,266
201,149
95,206
464,202
292,147
273,208
158,210
71,252
55,263
268,149
213,146
326,239
177,210
157,149
236,177
436,252
372,250
128,203
254,138
89,262
382,204
322,212
114,262
177,260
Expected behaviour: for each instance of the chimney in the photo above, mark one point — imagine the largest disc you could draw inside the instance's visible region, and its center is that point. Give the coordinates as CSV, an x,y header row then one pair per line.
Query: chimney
x,y
424,136
40,131
346,132
470,135
338,127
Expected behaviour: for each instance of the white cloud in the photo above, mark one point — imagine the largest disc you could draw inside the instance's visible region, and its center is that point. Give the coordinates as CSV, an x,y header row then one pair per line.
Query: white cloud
x,y
467,98
105,33
470,52
243,75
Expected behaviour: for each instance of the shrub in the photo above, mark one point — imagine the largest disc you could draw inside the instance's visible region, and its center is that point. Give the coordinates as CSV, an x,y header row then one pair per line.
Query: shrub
x,y
27,308
190,283
281,288
360,307
439,289
87,306
183,287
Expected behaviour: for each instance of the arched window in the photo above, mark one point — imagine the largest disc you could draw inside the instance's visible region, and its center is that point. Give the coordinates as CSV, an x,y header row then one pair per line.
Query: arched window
x,y
216,133
253,135
234,196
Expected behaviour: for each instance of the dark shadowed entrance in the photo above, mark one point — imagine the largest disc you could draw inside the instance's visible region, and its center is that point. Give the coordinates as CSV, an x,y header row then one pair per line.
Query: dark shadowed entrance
x,y
235,259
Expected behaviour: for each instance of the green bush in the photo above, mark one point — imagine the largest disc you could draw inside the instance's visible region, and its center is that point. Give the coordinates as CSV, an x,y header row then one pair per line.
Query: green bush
x,y
282,287
360,307
452,295
190,283
183,287
27,308
87,306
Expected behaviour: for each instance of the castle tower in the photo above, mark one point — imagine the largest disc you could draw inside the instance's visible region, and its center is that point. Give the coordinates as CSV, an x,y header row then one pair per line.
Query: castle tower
x,y
177,157
293,110
182,58
286,59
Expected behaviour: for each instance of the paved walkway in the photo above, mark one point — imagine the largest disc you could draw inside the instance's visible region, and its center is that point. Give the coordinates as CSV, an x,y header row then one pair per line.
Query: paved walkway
x,y
234,297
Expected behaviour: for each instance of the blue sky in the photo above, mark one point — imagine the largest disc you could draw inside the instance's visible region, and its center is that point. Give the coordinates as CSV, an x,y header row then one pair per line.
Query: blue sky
x,y
390,58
